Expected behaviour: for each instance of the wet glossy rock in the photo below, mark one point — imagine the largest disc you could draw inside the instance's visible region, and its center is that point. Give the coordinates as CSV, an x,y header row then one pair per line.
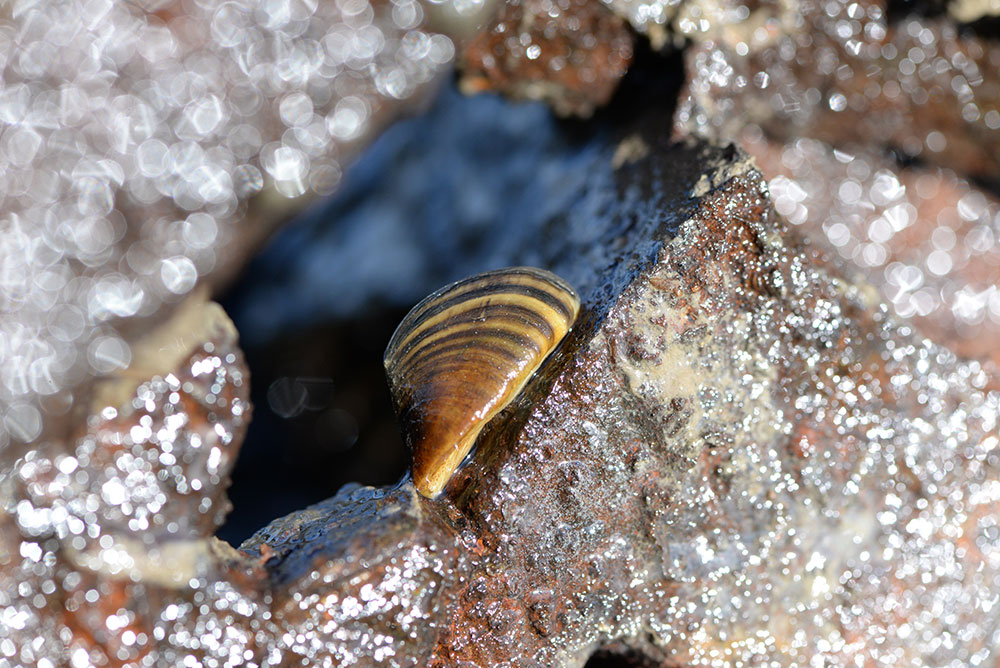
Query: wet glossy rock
x,y
149,150
738,457
848,76
741,458
105,539
569,53
924,237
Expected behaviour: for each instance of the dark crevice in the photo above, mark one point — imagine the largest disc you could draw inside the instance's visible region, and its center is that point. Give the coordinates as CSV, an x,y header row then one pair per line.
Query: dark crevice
x,y
322,418
987,27
900,10
649,92
620,659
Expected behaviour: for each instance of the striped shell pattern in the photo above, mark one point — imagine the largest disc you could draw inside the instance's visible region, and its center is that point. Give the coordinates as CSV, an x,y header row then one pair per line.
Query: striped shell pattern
x,y
464,353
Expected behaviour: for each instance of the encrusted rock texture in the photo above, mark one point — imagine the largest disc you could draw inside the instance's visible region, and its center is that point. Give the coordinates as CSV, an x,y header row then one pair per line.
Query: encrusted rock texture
x,y
923,236
106,538
771,439
738,458
846,75
570,53
879,140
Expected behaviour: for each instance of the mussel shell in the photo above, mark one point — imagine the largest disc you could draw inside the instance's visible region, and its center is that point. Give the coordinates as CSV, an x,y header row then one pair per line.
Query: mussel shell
x,y
464,353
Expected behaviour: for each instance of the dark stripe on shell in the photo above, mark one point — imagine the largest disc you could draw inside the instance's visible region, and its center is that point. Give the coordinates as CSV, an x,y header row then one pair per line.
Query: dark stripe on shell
x,y
463,353
493,314
553,293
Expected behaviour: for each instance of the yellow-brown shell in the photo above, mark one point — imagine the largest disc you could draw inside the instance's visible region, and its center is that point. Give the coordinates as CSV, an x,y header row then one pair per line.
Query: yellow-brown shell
x,y
464,353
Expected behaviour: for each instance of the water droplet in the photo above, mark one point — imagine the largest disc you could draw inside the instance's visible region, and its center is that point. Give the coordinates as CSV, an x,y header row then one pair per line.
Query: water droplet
x,y
178,274
107,354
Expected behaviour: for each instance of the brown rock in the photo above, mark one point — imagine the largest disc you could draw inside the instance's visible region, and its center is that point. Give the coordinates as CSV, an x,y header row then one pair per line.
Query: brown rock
x,y
848,77
569,53
924,237
108,537
740,457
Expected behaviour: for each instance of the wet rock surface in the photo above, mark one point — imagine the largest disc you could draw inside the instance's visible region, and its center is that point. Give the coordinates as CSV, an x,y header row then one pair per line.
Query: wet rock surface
x,y
571,54
150,147
738,457
107,540
924,237
748,451
847,76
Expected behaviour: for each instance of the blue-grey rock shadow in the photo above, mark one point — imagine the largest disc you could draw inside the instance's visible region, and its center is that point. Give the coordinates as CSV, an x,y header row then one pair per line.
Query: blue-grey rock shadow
x,y
475,183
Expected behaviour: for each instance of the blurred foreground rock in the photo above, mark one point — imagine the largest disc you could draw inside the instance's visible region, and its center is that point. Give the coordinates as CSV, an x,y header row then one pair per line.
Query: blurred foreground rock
x,y
106,547
924,237
151,147
849,76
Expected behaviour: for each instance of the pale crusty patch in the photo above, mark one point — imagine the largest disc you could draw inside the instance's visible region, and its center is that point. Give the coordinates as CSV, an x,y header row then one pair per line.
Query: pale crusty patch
x,y
631,149
967,11
195,321
722,173
168,564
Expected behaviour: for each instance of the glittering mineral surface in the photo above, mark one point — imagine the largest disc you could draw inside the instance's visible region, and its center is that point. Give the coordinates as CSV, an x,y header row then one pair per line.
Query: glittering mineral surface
x,y
846,75
106,544
132,137
570,53
771,438
827,110
741,458
926,238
